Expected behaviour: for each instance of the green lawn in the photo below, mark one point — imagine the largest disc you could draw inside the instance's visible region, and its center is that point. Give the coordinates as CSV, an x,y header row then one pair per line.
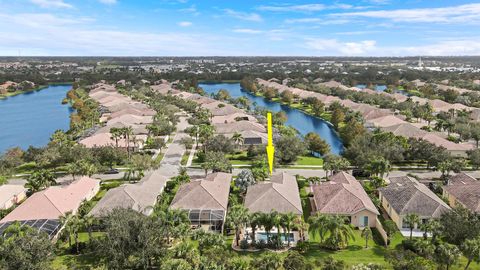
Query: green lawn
x,y
309,160
239,158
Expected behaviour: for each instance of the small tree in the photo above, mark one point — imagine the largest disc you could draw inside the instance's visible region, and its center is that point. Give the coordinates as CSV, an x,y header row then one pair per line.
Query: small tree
x,y
367,234
471,250
412,220
244,180
447,254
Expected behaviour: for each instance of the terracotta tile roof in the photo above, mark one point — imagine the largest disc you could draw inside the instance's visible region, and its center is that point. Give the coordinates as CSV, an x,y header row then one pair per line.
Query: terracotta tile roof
x,y
7,192
279,194
238,127
342,195
406,196
210,193
386,121
55,201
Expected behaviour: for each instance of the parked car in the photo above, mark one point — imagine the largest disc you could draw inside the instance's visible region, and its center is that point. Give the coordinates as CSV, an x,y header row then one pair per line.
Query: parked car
x,y
112,171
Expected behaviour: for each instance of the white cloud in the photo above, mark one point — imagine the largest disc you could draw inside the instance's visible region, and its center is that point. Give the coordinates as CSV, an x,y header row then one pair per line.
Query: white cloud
x,y
108,2
247,31
185,24
455,14
298,8
51,3
371,48
317,21
192,10
334,46
243,15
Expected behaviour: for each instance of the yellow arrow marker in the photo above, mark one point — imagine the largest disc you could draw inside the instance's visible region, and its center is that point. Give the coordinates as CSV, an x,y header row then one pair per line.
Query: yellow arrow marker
x,y
270,148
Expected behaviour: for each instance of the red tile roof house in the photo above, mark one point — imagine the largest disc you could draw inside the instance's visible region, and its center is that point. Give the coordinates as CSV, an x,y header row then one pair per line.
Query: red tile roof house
x,y
344,195
54,202
11,195
464,190
205,200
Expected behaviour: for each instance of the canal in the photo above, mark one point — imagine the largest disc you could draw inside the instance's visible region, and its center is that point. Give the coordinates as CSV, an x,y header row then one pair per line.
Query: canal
x,y
30,118
303,122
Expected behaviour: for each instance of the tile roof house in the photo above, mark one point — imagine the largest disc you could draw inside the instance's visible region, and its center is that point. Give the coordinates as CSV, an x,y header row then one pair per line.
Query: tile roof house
x,y
279,194
344,195
252,132
133,111
405,195
130,119
231,118
405,129
206,200
11,195
137,129
105,139
55,201
385,121
464,190
140,196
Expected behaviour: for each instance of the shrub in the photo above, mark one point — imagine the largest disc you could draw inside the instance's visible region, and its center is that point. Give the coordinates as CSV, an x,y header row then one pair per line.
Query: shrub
x,y
244,244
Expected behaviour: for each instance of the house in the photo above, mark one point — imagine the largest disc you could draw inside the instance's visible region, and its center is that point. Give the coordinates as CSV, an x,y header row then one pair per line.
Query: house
x,y
405,195
464,190
140,197
205,200
231,118
137,129
11,195
252,132
106,139
456,149
384,121
43,209
405,129
344,195
130,119
279,194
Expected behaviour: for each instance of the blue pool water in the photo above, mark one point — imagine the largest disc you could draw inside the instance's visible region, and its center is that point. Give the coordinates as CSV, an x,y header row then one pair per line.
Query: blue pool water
x,y
303,122
30,118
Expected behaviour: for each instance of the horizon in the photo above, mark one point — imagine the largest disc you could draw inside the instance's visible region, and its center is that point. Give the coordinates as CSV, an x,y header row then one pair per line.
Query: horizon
x,y
187,28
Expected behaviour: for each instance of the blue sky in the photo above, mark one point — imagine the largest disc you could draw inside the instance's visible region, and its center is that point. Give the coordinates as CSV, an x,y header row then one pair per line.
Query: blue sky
x,y
197,28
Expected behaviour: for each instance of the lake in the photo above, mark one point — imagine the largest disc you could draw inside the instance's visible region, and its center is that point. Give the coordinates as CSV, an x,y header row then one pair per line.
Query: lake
x,y
30,118
303,122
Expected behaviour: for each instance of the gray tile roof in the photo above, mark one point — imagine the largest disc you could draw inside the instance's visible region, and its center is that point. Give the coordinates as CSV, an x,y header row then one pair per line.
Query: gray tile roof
x,y
466,190
406,196
279,194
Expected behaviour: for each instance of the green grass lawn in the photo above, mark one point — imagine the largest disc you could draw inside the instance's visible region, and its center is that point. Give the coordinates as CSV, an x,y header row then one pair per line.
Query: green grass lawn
x,y
309,160
239,158
185,156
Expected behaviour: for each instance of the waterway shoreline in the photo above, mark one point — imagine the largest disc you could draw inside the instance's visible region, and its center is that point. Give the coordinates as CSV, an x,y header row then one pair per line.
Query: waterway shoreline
x,y
37,88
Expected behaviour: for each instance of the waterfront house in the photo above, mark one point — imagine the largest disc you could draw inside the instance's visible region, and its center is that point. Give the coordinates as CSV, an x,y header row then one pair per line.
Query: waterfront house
x,y
231,118
205,200
11,195
343,195
405,195
463,190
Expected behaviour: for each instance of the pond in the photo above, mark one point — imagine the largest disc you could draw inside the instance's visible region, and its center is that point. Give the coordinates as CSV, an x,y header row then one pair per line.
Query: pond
x,y
30,118
378,87
303,122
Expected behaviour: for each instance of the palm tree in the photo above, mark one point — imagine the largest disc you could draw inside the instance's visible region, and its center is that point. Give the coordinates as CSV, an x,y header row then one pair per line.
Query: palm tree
x,y
278,222
412,220
266,220
64,220
15,229
236,218
367,234
237,138
40,179
127,133
171,218
205,133
339,232
72,169
288,222
302,227
254,220
318,225
75,226
116,135
89,222
471,250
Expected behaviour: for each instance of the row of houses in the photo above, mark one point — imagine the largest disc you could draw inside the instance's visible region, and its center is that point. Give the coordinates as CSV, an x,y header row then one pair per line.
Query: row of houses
x,y
375,117
120,111
226,118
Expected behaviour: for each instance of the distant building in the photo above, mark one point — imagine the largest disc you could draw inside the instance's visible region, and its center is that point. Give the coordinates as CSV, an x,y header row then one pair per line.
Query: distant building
x,y
463,190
